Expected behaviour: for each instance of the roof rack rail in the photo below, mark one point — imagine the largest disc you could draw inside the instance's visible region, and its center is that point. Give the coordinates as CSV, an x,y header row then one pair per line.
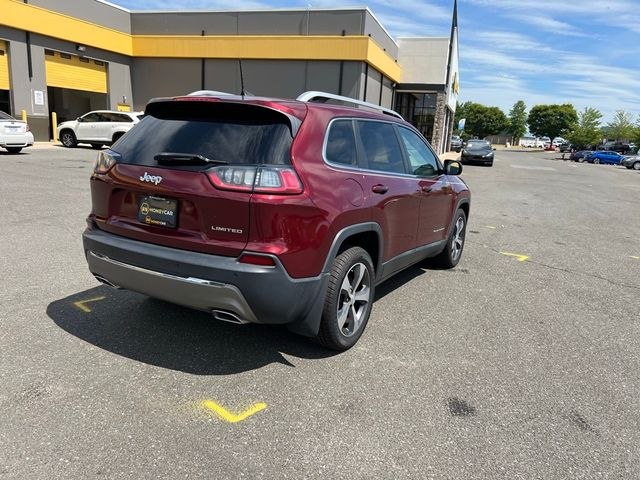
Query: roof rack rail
x,y
209,93
314,96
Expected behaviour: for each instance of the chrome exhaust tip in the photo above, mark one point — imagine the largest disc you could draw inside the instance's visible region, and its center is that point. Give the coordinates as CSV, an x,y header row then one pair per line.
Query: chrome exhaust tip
x,y
228,317
106,282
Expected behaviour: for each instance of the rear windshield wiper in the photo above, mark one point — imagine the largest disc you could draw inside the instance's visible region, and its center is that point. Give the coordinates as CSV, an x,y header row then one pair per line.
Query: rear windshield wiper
x,y
170,158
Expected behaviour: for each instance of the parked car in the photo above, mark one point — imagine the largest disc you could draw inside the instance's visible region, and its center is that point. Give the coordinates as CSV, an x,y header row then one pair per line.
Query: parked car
x,y
14,134
566,147
97,128
606,157
631,162
478,151
531,142
456,143
272,211
580,156
621,148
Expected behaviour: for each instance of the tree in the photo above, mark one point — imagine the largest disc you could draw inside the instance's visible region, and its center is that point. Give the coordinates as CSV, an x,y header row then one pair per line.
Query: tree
x,y
621,128
517,121
587,131
552,120
636,134
482,120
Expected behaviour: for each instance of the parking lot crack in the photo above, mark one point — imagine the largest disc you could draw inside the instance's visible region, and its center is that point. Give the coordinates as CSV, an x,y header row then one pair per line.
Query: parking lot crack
x,y
566,270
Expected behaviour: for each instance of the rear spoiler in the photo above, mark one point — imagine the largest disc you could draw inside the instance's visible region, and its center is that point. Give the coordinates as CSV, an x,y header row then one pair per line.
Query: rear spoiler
x,y
229,106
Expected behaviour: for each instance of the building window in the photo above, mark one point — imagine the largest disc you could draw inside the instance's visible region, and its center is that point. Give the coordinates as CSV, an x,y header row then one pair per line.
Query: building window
x,y
98,62
65,56
51,53
1,53
419,109
84,60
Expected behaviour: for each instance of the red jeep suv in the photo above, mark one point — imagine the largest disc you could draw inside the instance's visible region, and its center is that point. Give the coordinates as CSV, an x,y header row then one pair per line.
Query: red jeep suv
x,y
272,211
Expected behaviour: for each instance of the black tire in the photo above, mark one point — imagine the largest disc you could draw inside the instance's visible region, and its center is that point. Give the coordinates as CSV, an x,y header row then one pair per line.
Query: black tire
x,y
581,159
596,161
96,146
68,139
636,166
345,269
14,149
452,253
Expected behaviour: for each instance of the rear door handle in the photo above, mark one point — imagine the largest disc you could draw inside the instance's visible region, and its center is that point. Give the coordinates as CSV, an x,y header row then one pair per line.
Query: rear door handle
x,y
381,189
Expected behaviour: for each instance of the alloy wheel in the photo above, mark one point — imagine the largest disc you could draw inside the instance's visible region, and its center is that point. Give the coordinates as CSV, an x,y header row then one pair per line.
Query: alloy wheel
x,y
457,242
67,139
354,297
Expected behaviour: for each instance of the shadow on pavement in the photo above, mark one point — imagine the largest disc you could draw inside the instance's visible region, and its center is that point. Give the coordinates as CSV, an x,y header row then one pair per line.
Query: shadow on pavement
x,y
173,337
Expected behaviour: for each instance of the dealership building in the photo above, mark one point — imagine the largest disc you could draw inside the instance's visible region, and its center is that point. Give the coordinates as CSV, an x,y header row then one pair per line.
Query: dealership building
x,y
72,57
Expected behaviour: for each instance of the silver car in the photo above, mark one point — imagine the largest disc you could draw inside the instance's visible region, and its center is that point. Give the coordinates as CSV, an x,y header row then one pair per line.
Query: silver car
x,y
631,162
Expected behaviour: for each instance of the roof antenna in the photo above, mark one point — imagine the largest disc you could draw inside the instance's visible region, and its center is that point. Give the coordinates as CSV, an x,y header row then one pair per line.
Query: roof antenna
x,y
242,92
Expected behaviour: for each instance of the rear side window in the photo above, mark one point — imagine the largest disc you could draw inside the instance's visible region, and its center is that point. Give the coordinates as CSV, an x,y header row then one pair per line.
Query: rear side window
x,y
231,133
381,147
341,143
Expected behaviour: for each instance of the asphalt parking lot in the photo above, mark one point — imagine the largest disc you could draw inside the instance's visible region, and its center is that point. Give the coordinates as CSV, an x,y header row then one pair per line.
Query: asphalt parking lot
x,y
521,363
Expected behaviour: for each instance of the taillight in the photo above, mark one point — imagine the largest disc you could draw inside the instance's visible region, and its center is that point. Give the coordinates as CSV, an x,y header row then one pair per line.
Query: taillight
x,y
269,180
28,129
260,260
104,162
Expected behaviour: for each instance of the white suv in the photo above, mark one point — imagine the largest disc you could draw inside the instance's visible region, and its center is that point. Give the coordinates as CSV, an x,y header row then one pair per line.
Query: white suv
x,y
97,128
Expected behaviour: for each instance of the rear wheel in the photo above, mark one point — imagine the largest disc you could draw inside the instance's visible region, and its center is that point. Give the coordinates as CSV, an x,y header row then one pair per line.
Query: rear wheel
x,y
68,139
452,253
596,161
348,301
636,166
14,149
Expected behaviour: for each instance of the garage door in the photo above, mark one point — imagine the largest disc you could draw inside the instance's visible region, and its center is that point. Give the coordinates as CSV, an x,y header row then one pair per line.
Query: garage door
x,y
70,71
4,66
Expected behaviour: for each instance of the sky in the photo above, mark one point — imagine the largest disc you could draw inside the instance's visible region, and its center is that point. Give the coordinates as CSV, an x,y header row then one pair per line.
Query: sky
x,y
584,52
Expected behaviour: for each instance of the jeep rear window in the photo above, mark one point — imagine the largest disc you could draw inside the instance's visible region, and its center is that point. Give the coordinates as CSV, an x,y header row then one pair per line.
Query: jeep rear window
x,y
231,133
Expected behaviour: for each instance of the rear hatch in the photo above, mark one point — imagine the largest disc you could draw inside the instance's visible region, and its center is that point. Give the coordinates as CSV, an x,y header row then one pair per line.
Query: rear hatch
x,y
184,176
12,127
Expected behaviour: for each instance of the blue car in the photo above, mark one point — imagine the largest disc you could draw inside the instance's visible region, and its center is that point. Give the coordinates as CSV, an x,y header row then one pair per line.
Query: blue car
x,y
606,156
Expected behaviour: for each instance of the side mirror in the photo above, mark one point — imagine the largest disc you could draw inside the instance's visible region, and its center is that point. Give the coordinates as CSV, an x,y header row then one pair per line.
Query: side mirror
x,y
452,167
79,119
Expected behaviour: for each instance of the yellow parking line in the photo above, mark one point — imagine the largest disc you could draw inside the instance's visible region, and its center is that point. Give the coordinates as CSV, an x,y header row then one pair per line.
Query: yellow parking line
x,y
519,256
232,417
81,304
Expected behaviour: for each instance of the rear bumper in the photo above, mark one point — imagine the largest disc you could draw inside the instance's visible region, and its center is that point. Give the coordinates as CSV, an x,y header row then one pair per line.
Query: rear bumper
x,y
209,283
21,140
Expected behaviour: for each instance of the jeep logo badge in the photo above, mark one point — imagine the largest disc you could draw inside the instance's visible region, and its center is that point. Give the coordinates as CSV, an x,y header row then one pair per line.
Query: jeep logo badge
x,y
155,179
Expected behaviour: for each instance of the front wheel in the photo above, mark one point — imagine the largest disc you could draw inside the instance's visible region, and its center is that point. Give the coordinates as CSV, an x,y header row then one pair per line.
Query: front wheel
x,y
14,149
596,161
348,301
68,139
452,253
636,166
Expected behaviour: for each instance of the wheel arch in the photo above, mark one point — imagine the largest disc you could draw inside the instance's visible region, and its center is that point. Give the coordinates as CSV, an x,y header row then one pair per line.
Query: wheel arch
x,y
117,135
364,235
